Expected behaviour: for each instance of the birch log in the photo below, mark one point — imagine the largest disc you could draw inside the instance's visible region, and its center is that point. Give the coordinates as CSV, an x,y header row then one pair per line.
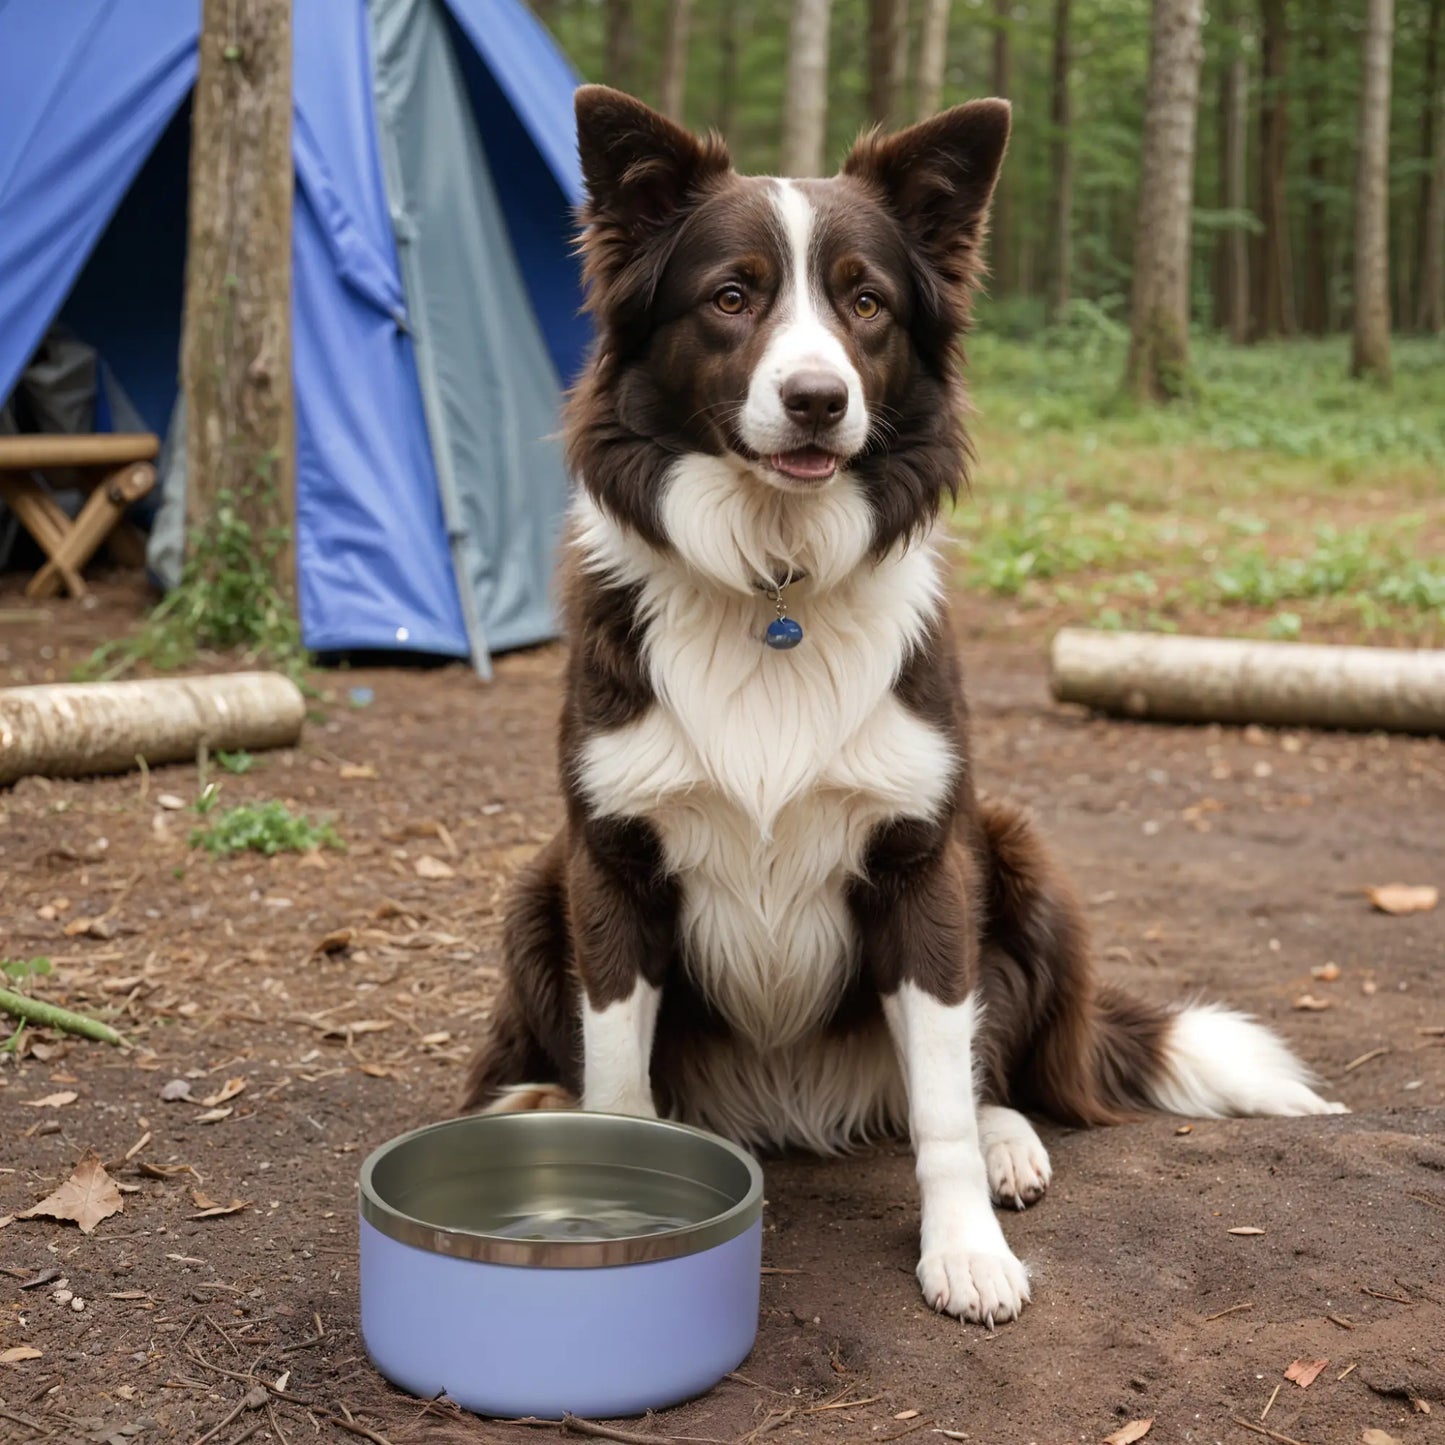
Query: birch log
x,y
1204,679
69,730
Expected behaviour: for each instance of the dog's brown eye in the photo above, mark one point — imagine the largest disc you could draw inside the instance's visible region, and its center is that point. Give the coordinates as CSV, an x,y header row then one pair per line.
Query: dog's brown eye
x,y
730,300
867,306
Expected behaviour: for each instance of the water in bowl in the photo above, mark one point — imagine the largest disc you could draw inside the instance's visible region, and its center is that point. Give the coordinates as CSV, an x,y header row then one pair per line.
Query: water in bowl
x,y
573,1203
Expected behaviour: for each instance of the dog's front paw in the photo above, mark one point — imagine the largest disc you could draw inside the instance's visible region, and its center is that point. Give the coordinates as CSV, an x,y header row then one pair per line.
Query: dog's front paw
x,y
982,1288
1018,1169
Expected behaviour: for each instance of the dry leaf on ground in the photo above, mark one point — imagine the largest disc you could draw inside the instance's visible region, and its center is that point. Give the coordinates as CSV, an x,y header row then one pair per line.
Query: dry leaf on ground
x,y
1377,1437
1245,1229
337,941
53,1101
429,867
228,1090
1128,1434
214,1116
87,1197
16,1353
1310,1004
210,1208
1305,1372
1403,897
1325,972
357,772
101,928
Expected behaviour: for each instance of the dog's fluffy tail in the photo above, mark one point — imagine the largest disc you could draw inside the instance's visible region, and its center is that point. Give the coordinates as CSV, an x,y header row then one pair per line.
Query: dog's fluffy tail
x,y
1089,1053
1206,1062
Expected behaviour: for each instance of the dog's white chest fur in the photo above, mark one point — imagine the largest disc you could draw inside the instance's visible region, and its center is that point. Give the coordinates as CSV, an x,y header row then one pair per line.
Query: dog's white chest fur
x,y
765,772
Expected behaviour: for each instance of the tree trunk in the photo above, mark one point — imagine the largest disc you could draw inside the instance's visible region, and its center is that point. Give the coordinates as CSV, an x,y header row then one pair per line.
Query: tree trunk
x,y
71,730
674,59
1159,315
1001,243
236,347
932,57
1061,157
887,59
735,20
621,44
1281,684
1274,299
1234,167
1430,309
1372,199
805,113
1315,312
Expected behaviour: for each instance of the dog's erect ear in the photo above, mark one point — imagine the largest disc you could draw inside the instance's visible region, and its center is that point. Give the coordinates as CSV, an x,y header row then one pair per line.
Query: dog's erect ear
x,y
938,178
640,167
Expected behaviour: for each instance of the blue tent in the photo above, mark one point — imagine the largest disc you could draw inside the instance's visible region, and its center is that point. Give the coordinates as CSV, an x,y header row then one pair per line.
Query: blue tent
x,y
436,303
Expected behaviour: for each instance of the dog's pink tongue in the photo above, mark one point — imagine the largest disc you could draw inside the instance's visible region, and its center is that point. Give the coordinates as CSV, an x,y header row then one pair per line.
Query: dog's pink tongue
x,y
807,464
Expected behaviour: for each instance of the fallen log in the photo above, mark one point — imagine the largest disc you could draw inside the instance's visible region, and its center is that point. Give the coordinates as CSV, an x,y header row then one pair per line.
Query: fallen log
x,y
1293,684
70,730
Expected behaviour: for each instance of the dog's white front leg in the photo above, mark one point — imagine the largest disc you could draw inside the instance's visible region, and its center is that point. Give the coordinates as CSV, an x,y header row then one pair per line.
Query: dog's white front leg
x,y
965,1266
617,1052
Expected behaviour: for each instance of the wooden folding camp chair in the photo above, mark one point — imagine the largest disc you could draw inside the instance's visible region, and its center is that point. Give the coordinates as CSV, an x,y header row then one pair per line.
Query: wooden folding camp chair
x,y
116,468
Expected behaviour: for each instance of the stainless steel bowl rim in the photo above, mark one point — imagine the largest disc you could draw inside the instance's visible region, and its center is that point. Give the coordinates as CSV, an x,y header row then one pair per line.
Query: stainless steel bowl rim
x,y
487,1248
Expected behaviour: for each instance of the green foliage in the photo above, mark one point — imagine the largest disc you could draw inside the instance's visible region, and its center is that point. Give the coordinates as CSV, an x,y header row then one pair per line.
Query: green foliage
x,y
227,599
237,762
267,828
1291,398
1254,509
16,973
1039,536
19,971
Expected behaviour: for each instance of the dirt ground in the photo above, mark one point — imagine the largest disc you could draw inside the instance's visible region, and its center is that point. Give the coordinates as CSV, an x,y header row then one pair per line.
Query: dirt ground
x,y
345,990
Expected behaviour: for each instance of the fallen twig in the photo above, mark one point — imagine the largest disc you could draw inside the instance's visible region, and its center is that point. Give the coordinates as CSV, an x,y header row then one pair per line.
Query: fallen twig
x,y
755,1384
1364,1059
26,1420
1341,1321
842,1404
353,1426
579,1426
1345,1372
771,1422
908,1430
1232,1310
52,1016
1270,1404
1265,1430
1425,1199
253,1399
1376,1294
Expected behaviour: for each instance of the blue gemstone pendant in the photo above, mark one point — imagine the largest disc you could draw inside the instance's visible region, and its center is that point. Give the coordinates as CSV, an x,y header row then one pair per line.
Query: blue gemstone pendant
x,y
783,633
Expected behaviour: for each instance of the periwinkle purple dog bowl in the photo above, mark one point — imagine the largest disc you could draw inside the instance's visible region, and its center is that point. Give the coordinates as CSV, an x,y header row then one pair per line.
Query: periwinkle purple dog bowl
x,y
559,1262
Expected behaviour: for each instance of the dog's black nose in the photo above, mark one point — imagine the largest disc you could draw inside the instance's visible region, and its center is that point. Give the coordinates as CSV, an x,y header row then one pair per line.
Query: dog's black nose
x,y
816,399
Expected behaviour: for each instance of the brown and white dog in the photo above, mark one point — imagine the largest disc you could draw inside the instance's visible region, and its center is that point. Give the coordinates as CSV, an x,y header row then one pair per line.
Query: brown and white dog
x,y
777,908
